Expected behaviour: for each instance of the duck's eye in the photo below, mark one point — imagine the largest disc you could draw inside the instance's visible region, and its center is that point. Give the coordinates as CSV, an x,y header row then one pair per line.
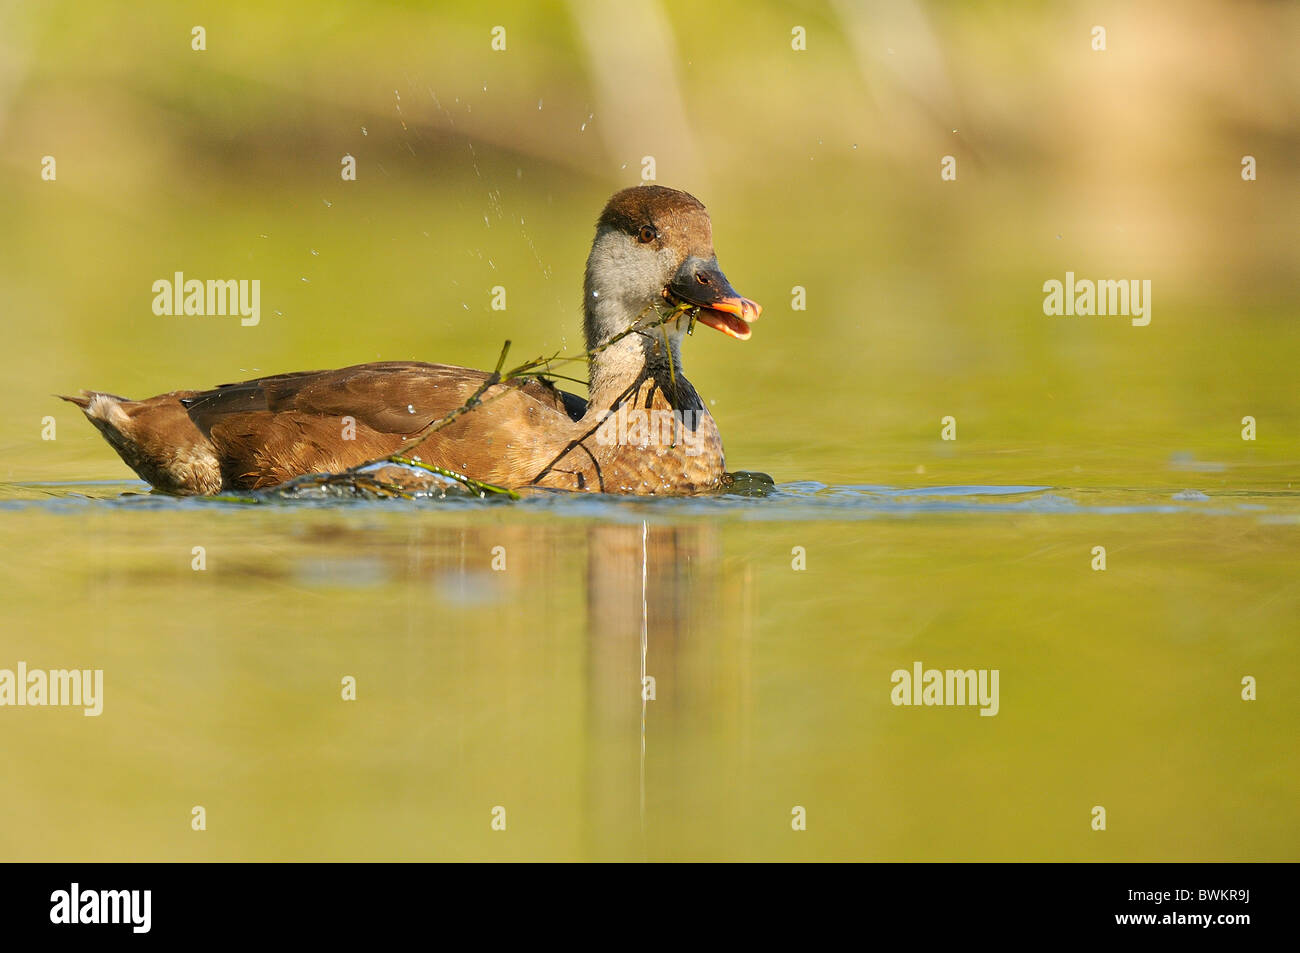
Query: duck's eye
x,y
646,235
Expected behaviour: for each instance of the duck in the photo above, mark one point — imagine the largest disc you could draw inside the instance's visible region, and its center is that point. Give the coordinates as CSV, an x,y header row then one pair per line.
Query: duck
x,y
643,429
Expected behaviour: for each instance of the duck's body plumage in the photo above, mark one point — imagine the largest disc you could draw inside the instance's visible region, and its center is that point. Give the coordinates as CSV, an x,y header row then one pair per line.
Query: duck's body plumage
x,y
263,432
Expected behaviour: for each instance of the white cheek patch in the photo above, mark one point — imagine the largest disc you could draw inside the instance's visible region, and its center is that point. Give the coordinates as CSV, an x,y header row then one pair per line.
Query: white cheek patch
x,y
626,275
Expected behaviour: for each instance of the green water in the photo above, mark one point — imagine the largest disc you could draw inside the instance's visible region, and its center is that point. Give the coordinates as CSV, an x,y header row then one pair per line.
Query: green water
x,y
520,687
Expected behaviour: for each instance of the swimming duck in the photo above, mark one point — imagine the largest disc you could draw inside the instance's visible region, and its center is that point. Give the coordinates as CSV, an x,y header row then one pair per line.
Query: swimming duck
x,y
643,429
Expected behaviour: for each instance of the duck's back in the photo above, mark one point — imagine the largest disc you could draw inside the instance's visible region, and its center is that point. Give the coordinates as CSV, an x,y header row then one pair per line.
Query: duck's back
x,y
262,432
272,429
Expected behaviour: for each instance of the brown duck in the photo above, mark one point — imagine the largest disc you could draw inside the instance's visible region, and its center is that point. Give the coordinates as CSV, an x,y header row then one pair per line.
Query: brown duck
x,y
643,429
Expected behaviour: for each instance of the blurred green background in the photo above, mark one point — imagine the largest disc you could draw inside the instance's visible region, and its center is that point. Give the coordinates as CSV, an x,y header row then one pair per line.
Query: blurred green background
x,y
821,168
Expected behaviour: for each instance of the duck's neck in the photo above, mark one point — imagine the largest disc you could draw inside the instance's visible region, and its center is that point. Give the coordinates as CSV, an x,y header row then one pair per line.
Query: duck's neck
x,y
617,365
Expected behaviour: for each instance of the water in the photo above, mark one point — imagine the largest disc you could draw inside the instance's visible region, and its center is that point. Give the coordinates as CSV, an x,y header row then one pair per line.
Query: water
x,y
519,687
807,500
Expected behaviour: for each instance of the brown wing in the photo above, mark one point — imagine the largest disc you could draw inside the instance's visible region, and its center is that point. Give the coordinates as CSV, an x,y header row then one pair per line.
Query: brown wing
x,y
272,429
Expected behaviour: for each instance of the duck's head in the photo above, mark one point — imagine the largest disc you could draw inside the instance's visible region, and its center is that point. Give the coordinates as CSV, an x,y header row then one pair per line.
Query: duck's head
x,y
653,255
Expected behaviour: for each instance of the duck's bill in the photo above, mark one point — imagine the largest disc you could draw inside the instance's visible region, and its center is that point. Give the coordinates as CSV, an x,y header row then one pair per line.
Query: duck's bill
x,y
703,285
730,316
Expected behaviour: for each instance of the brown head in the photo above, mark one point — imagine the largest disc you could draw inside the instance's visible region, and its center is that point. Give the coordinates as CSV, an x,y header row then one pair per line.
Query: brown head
x,y
653,251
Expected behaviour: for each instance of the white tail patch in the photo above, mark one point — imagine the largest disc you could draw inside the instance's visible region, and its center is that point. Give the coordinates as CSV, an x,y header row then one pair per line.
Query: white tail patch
x,y
106,408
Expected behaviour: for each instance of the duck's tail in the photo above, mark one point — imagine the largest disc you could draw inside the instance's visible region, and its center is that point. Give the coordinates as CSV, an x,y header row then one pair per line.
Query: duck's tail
x,y
155,438
86,396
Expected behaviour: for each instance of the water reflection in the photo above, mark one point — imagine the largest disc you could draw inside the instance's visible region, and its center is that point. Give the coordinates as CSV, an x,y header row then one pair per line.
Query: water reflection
x,y
657,600
498,653
657,589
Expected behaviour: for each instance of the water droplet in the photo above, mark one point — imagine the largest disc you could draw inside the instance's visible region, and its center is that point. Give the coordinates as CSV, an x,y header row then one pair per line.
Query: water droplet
x,y
328,203
304,281
315,252
539,104
410,408
363,131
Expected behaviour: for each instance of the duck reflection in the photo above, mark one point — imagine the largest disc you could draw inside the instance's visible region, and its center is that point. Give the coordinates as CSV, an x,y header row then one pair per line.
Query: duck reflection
x,y
667,641
607,662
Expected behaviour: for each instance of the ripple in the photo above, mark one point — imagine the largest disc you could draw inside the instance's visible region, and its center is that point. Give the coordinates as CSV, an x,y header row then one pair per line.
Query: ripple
x,y
798,500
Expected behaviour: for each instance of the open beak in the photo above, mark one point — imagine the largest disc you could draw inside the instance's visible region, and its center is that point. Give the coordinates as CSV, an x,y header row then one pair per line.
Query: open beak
x,y
703,284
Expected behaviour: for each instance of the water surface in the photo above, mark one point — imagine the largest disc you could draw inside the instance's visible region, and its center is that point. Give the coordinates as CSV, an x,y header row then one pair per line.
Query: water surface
x,y
520,686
